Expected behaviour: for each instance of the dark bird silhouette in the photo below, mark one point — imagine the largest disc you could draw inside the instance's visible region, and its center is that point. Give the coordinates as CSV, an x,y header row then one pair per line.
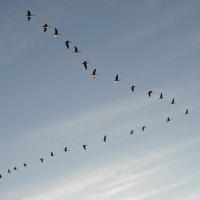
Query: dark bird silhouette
x,y
105,138
187,111
42,160
150,93
45,27
168,119
116,80
0,176
55,34
25,165
29,15
66,149
15,168
143,128
85,63
132,132
76,50
52,154
161,96
9,171
67,44
84,147
173,101
133,87
94,74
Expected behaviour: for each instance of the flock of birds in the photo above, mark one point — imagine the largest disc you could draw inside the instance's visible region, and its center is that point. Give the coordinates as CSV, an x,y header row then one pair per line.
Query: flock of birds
x,y
94,74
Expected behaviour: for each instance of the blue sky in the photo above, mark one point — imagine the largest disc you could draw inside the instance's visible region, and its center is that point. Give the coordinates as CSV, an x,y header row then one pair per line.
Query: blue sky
x,y
48,100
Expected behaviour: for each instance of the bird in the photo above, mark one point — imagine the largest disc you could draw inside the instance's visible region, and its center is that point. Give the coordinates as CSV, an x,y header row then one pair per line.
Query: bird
x,y
187,111
9,171
133,87
173,101
150,93
25,165
66,149
105,138
15,168
143,128
116,80
52,154
0,176
29,15
93,74
55,34
84,147
76,50
132,132
42,160
85,63
168,119
67,44
45,27
161,96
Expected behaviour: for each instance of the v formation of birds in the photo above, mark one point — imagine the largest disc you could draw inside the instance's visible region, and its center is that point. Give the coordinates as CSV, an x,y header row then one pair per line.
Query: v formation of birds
x,y
93,74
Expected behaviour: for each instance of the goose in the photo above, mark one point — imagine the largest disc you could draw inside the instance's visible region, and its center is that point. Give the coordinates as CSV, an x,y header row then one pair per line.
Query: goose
x,y
84,147
29,15
56,34
94,74
45,27
116,79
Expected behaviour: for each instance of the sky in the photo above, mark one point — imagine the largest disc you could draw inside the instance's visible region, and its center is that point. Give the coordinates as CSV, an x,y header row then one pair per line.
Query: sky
x,y
48,100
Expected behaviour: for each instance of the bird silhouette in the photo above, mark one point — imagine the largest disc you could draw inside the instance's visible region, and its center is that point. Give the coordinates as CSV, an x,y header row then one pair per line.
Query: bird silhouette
x,y
56,34
45,27
94,74
25,165
66,149
0,176
150,93
105,138
15,168
168,119
132,132
76,50
173,101
29,15
133,87
116,80
85,63
67,44
161,96
42,160
52,154
84,147
187,111
143,128
9,171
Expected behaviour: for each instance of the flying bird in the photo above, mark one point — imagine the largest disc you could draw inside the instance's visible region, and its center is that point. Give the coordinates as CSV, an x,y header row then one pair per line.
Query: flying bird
x,y
25,165
9,171
161,96
168,119
116,79
52,154
15,168
132,132
143,128
29,15
150,93
67,44
45,27
66,149
94,74
42,160
0,176
105,138
133,87
173,101
187,112
56,34
84,147
76,50
85,64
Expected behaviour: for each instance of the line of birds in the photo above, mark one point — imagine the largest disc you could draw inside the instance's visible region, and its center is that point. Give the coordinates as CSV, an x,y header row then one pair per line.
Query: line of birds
x,y
85,146
85,63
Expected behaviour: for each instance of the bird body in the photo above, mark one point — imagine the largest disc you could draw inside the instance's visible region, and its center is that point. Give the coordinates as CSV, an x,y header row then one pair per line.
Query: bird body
x,y
25,165
45,27
84,147
143,128
105,138
42,160
66,149
9,171
67,44
56,34
187,112
94,74
52,154
133,87
150,93
161,96
168,119
15,168
76,50
116,80
85,63
173,101
132,131
29,15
